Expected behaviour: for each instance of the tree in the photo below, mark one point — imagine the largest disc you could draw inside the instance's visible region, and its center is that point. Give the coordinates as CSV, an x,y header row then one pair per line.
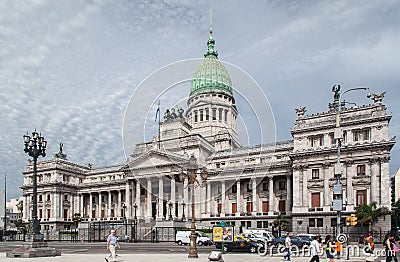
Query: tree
x,y
368,214
395,213
281,223
20,207
76,218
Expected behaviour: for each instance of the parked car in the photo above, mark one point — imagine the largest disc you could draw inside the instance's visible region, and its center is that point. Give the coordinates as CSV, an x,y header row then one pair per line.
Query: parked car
x,y
183,237
252,237
240,245
297,241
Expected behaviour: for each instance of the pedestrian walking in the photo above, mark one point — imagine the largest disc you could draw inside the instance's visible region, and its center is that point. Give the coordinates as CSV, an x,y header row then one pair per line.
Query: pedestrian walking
x,y
369,243
314,249
390,248
329,247
112,244
288,246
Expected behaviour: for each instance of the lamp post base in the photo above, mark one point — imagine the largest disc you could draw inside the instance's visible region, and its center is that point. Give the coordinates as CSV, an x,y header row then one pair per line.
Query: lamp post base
x,y
193,247
34,249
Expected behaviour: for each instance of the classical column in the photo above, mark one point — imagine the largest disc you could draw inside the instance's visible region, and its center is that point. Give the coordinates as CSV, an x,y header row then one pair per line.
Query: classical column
x,y
223,198
208,198
25,208
349,183
161,197
100,205
173,196
90,205
373,187
238,198
119,213
325,168
296,187
289,193
254,193
56,205
384,173
271,204
148,198
127,199
305,189
137,198
108,206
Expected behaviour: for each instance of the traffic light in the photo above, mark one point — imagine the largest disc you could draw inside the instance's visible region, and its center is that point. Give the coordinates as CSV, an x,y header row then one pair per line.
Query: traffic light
x,y
353,220
348,221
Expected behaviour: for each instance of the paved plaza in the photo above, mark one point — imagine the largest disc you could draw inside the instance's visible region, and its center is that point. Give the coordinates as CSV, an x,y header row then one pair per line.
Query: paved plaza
x,y
163,258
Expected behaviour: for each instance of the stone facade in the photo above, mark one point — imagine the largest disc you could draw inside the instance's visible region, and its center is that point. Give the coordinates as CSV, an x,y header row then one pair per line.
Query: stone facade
x,y
245,186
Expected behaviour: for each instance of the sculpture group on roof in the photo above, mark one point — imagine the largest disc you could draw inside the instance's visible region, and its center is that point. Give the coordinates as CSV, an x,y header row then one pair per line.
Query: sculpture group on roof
x,y
171,114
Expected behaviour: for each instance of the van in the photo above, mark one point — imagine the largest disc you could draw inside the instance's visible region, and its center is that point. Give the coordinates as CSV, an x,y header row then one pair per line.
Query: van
x,y
260,233
183,237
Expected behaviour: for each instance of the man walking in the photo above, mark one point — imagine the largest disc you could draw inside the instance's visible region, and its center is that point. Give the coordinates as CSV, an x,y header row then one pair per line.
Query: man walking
x,y
314,249
288,245
112,244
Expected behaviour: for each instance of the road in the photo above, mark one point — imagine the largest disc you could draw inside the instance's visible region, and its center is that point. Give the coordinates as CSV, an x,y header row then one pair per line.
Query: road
x,y
126,248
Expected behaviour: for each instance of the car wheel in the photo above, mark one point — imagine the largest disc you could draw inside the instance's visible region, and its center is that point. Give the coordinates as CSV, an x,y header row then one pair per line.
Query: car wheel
x,y
179,243
253,250
200,243
226,249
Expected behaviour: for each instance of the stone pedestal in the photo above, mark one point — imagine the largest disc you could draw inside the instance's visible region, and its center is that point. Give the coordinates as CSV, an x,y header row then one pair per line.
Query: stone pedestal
x,y
34,249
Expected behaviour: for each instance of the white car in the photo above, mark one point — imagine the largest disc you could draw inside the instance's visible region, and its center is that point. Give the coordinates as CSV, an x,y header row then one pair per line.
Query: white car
x,y
183,237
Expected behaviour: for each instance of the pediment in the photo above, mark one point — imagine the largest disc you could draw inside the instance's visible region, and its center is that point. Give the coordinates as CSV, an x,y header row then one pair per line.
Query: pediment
x,y
155,158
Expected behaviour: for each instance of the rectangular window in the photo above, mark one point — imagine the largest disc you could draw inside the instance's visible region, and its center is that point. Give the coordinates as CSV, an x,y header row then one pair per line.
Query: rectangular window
x,y
201,115
40,198
219,209
48,213
311,222
249,207
321,140
195,117
332,139
259,224
226,115
315,174
248,187
248,224
265,224
40,213
315,200
220,114
282,185
320,222
265,207
366,134
66,213
282,206
264,187
360,170
214,114
207,114
333,222
361,197
234,189
356,136
234,208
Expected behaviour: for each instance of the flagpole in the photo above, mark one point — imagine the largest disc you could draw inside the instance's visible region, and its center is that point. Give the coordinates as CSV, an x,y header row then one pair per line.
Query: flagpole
x,y
159,125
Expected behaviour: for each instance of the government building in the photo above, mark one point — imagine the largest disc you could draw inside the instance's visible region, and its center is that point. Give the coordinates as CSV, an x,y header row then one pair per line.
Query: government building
x,y
244,186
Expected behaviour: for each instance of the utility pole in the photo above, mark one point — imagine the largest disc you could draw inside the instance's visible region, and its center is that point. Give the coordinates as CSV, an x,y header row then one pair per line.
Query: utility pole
x,y
5,204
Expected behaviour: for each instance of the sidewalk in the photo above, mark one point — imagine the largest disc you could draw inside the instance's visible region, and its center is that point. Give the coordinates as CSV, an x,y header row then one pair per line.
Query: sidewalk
x,y
162,258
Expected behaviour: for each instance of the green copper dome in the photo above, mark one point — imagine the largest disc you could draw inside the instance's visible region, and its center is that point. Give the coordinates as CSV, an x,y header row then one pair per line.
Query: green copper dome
x,y
211,75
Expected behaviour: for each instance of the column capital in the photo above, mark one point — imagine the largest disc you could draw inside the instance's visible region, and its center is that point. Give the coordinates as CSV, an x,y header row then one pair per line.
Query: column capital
x,y
373,160
349,162
326,164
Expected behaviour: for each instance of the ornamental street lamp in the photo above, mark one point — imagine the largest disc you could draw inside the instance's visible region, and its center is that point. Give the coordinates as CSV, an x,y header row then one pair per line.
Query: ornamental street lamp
x,y
183,210
135,222
170,210
35,146
192,179
126,225
337,188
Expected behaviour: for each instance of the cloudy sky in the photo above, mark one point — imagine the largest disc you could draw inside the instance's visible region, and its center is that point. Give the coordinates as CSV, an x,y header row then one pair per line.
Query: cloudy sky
x,y
69,68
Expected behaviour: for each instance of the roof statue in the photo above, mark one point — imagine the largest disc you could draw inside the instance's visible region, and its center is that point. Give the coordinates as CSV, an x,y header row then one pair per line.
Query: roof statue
x,y
300,111
60,153
170,114
378,97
